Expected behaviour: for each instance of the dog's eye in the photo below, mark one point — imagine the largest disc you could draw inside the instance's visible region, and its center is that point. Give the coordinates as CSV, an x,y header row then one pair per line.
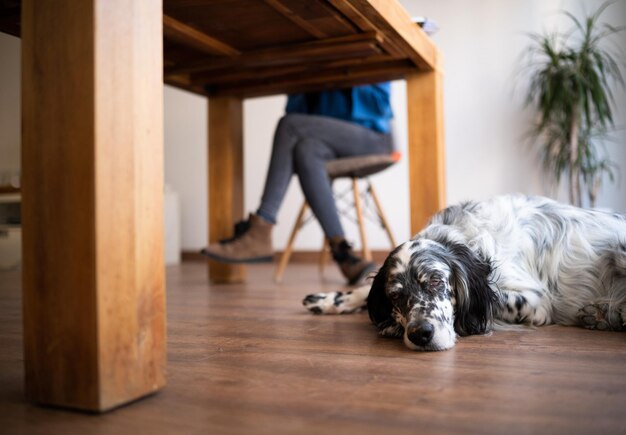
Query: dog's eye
x,y
434,283
395,296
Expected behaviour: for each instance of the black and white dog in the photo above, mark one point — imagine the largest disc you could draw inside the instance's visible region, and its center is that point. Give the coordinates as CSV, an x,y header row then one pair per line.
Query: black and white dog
x,y
512,259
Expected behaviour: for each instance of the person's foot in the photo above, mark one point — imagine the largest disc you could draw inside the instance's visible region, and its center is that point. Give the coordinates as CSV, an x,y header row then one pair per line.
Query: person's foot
x,y
353,268
252,243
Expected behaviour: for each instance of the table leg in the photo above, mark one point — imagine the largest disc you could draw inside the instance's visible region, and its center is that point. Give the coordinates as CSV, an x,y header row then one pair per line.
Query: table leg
x,y
225,179
426,151
92,165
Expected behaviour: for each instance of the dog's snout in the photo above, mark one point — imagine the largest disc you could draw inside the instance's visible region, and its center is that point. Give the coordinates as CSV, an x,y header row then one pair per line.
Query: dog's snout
x,y
420,333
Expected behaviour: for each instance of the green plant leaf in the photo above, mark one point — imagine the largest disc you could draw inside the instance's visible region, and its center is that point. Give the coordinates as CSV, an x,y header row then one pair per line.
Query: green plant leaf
x,y
571,81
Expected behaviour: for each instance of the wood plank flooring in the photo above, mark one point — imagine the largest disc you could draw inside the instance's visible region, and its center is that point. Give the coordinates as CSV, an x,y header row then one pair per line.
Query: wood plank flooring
x,y
247,359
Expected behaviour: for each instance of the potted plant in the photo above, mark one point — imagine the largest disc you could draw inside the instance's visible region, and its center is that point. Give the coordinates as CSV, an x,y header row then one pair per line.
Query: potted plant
x,y
571,79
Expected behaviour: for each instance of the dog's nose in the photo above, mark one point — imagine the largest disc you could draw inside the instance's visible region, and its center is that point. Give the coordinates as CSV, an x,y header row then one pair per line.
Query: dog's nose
x,y
420,333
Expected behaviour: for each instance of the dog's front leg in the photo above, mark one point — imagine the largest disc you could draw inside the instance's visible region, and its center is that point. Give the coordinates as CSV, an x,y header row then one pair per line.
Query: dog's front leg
x,y
337,302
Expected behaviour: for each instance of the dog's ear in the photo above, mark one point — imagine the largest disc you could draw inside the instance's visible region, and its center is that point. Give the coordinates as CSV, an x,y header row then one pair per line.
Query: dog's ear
x,y
475,301
379,306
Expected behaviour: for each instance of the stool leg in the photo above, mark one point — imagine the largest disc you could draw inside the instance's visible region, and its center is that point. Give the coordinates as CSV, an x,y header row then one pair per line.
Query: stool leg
x,y
324,256
382,217
367,254
284,259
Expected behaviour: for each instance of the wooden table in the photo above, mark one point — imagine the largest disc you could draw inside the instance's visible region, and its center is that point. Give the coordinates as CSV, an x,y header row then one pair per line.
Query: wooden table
x,y
92,159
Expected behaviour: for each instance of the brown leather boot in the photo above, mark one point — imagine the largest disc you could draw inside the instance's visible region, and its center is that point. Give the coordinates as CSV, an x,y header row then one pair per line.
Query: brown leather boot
x,y
352,267
252,243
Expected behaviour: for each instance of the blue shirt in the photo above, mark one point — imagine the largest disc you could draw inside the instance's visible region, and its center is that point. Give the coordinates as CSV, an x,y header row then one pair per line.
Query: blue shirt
x,y
368,105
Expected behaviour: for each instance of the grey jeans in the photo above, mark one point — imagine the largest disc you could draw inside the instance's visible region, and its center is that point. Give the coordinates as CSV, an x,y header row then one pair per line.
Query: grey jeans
x,y
302,145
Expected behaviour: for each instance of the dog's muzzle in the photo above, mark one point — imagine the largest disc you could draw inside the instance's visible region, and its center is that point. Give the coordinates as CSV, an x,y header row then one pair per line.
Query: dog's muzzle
x,y
420,333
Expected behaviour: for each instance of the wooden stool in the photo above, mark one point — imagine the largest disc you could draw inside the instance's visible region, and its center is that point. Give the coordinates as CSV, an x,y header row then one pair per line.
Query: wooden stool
x,y
355,168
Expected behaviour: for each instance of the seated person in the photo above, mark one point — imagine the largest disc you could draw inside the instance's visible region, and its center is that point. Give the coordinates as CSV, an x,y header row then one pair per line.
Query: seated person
x,y
318,127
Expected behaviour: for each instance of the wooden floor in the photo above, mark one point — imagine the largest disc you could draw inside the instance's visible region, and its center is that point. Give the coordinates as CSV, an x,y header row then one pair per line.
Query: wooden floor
x,y
248,359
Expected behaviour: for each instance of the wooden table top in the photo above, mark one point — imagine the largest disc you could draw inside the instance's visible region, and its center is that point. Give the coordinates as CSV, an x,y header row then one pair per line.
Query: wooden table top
x,y
251,48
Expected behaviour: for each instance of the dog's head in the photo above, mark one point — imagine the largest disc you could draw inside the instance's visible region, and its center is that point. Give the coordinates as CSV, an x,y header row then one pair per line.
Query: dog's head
x,y
429,291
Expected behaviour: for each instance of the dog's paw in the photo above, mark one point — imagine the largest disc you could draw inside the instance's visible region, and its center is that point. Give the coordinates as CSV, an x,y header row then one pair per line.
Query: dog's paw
x,y
334,302
317,303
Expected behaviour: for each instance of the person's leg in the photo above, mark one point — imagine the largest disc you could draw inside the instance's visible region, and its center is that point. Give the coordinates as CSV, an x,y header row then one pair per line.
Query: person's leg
x,y
252,240
325,139
281,168
310,158
303,144
338,138
344,138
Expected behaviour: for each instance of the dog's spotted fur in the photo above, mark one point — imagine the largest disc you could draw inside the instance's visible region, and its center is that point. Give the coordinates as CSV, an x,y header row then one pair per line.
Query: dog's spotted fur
x,y
512,259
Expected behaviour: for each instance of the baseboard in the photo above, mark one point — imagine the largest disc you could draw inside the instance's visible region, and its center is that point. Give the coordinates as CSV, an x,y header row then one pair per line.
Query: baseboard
x,y
296,256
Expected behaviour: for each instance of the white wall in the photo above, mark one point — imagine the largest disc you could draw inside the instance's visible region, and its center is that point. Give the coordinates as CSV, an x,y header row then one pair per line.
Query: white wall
x,y
485,125
185,136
